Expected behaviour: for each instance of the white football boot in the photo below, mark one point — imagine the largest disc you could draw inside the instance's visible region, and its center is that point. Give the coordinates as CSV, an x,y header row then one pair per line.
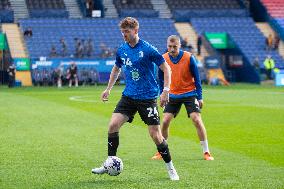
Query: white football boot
x,y
100,170
173,174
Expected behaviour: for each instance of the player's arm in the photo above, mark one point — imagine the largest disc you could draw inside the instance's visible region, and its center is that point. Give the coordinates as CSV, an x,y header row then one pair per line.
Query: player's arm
x,y
112,79
195,74
164,98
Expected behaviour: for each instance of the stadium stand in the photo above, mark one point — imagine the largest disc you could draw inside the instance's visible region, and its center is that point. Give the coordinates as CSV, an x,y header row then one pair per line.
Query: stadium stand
x,y
6,13
135,8
243,32
183,10
275,9
48,32
97,5
47,8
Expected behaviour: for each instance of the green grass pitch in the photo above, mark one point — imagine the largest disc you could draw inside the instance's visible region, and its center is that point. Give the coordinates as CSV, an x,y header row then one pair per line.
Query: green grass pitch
x,y
52,138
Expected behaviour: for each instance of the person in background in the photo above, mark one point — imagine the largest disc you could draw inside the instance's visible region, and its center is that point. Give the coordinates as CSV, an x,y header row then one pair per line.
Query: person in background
x,y
28,32
63,47
89,7
199,43
269,65
73,74
60,71
186,89
12,74
53,52
89,48
276,42
269,42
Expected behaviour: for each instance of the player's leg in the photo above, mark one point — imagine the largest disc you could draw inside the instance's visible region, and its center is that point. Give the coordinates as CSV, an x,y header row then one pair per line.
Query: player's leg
x,y
117,120
201,132
167,117
70,81
123,112
76,81
148,112
171,110
193,110
163,149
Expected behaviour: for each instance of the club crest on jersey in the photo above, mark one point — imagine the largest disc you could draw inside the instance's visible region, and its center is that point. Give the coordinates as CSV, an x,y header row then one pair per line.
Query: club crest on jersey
x,y
135,74
141,54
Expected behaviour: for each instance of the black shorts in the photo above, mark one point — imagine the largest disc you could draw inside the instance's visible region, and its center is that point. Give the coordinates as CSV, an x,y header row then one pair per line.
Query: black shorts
x,y
147,109
191,104
73,76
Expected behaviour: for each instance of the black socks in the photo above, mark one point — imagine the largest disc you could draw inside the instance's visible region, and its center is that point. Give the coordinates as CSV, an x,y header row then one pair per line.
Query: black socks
x,y
163,149
113,142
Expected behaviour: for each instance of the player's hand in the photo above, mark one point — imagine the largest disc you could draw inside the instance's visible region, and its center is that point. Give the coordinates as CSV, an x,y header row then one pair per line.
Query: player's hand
x,y
164,98
200,102
105,95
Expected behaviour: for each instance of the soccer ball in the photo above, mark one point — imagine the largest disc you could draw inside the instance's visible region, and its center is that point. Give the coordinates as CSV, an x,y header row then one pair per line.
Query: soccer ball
x,y
113,165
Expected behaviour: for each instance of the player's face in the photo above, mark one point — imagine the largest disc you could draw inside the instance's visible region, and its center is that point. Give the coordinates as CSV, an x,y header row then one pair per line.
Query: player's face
x,y
173,48
129,34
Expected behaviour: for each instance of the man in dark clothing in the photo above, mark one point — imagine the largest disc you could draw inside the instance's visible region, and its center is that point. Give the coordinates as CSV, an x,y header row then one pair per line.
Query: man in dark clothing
x,y
89,48
12,73
28,32
63,47
73,74
89,7
199,43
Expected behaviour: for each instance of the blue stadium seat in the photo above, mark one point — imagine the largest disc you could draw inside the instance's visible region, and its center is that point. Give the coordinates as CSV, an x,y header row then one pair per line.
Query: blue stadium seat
x,y
48,32
243,32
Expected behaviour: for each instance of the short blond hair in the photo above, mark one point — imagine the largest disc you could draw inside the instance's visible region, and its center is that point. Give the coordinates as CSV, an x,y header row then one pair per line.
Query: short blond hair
x,y
174,38
129,22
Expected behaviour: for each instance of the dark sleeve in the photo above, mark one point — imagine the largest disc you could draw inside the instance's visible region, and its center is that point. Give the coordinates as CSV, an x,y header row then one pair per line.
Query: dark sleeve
x,y
156,57
118,61
195,74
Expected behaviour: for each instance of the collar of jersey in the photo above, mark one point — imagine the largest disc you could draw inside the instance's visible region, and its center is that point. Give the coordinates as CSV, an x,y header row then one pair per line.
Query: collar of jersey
x,y
175,60
135,45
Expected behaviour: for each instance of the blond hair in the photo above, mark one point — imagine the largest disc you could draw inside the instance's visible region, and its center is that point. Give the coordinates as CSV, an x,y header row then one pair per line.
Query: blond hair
x,y
129,22
174,38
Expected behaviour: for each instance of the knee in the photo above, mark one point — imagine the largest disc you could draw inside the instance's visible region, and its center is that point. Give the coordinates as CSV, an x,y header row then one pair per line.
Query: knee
x,y
113,127
196,119
154,134
166,122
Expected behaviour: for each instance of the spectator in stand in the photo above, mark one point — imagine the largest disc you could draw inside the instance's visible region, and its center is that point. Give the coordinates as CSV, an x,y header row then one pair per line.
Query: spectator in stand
x,y
185,45
126,2
105,51
89,7
80,50
63,47
269,42
199,43
276,42
28,32
89,48
53,52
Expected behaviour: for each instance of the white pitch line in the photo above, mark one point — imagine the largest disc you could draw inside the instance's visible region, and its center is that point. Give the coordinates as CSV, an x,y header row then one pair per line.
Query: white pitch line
x,y
83,99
